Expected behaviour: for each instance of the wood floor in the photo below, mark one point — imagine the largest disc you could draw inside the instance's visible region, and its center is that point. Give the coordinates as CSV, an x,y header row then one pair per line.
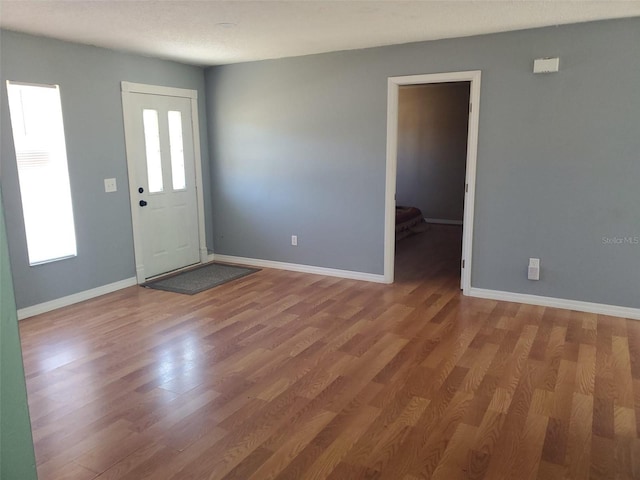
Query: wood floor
x,y
283,375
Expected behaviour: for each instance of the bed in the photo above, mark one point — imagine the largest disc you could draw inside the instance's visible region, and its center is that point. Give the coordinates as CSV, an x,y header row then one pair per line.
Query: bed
x,y
409,220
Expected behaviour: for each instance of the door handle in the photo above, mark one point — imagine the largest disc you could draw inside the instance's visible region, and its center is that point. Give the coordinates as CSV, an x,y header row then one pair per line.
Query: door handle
x,y
143,203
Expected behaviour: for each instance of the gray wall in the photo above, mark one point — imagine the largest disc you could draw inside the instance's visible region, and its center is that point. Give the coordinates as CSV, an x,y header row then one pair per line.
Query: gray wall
x,y
432,148
89,80
298,147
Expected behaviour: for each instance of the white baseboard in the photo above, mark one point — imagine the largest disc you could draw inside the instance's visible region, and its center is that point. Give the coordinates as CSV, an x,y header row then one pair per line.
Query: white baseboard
x,y
599,308
75,298
294,267
442,221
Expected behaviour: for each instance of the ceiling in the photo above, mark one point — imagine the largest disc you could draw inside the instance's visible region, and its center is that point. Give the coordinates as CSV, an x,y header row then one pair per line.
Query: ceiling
x,y
209,32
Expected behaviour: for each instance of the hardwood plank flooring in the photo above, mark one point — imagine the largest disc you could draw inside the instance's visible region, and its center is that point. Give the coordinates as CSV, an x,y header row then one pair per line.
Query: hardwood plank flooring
x,y
283,375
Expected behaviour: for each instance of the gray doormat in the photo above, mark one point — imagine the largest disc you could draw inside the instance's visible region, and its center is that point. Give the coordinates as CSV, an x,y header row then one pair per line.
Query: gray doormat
x,y
200,278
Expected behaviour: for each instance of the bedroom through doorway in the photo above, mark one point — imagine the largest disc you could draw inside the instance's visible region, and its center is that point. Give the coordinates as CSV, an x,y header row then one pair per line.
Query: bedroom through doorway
x,y
433,122
432,141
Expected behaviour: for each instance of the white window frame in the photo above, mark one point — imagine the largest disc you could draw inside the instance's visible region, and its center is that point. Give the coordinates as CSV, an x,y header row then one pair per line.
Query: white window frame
x,y
9,84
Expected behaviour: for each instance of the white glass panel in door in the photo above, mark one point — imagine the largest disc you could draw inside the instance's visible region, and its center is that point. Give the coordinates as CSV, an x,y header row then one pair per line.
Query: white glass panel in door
x,y
152,148
177,150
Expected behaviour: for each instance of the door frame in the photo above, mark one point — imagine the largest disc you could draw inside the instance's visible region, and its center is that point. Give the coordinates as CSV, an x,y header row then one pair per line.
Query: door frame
x,y
129,88
393,88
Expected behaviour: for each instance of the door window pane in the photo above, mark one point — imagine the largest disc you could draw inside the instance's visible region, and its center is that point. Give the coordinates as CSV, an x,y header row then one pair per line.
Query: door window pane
x,y
177,151
43,174
152,147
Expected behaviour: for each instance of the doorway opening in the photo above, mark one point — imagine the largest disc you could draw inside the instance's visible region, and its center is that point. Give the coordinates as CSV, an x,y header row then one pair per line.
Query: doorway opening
x,y
470,80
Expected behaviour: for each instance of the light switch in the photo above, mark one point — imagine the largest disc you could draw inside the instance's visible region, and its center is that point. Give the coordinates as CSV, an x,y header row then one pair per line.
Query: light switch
x,y
110,185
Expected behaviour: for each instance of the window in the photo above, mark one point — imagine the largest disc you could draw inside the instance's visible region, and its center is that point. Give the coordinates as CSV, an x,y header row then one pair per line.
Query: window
x,y
177,150
152,147
41,155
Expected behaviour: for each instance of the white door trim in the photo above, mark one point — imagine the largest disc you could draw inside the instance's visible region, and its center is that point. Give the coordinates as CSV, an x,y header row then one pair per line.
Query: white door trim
x,y
127,89
392,164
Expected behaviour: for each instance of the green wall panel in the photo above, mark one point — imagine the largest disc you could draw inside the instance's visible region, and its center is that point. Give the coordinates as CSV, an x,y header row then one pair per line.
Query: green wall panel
x,y
17,460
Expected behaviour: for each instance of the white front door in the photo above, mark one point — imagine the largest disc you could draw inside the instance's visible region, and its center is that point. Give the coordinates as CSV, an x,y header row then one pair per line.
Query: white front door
x,y
160,152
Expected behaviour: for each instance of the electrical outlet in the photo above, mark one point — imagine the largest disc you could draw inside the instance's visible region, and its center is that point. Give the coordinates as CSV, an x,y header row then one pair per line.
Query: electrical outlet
x,y
294,240
110,185
533,272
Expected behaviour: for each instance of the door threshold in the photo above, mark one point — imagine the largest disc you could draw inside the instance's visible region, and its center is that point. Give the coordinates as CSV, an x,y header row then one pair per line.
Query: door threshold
x,y
172,273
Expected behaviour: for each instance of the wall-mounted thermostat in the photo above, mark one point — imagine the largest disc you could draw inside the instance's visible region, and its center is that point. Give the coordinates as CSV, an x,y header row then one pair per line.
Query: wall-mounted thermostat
x,y
546,65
